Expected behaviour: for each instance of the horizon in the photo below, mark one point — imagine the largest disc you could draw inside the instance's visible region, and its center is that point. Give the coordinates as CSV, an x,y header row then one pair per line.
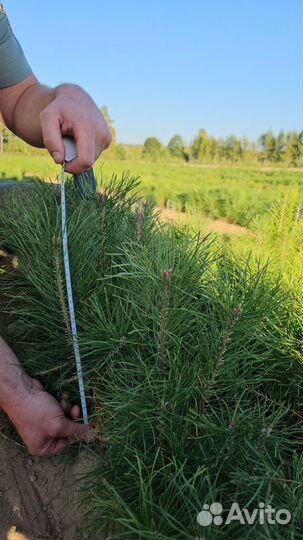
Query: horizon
x,y
218,138
163,71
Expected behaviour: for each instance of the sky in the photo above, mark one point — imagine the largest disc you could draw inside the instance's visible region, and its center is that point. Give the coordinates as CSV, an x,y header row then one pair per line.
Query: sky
x,y
173,66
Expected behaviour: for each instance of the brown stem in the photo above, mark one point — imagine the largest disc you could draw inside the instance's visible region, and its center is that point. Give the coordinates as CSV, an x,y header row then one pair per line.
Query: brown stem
x,y
220,356
138,229
167,274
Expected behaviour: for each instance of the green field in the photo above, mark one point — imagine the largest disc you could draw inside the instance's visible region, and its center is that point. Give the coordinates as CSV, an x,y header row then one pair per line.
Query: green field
x,y
235,193
267,202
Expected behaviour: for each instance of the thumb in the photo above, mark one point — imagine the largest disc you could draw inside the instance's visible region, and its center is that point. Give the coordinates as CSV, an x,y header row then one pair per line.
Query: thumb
x,y
52,136
72,430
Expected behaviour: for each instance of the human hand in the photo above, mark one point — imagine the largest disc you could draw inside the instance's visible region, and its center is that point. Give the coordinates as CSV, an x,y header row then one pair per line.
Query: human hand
x,y
47,426
73,113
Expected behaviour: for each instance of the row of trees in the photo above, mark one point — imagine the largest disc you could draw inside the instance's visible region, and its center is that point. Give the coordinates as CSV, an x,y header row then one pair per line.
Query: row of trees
x,y
285,147
282,148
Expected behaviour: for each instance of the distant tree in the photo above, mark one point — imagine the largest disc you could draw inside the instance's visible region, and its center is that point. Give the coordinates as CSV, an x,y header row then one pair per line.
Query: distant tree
x,y
9,142
200,146
205,147
176,146
120,152
110,123
253,151
152,148
245,145
294,149
212,149
280,146
268,145
220,148
233,149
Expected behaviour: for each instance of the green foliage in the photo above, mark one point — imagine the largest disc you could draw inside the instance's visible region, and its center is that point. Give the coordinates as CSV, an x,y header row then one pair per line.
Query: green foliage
x,y
268,144
152,148
207,148
121,152
201,146
231,149
280,236
192,363
237,194
110,123
281,144
294,149
176,146
284,148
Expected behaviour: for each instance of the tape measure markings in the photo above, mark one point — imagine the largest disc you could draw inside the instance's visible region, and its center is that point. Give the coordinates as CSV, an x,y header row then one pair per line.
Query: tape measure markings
x,y
70,299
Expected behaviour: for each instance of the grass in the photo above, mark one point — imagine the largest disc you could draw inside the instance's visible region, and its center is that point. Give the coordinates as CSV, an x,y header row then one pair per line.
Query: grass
x,y
192,345
236,194
267,202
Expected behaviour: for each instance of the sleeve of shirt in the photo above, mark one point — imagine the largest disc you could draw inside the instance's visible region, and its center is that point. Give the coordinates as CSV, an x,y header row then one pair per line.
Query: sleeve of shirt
x,y
14,67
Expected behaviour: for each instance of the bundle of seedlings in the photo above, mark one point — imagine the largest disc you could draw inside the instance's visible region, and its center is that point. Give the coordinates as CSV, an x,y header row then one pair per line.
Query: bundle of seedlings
x,y
192,365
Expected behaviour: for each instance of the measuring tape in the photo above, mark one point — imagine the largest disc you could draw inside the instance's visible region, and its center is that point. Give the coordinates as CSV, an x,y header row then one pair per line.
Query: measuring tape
x,y
70,153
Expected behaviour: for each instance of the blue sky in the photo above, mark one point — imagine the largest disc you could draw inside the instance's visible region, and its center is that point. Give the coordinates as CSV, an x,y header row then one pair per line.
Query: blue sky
x,y
172,66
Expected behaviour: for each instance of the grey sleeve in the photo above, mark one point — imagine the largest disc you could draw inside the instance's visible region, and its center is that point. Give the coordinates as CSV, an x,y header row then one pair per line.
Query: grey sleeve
x,y
14,67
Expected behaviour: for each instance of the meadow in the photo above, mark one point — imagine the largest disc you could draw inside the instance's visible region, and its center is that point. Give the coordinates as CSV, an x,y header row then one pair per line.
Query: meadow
x,y
235,193
266,202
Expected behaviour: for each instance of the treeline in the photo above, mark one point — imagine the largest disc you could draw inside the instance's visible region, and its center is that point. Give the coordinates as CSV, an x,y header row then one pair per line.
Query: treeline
x,y
284,148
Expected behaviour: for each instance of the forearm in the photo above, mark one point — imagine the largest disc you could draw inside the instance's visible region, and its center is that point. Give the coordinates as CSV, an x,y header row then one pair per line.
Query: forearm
x,y
22,114
20,106
14,383
25,117
43,116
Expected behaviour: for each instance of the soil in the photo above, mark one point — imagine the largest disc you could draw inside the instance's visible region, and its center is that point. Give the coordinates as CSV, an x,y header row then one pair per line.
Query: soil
x,y
38,496
217,225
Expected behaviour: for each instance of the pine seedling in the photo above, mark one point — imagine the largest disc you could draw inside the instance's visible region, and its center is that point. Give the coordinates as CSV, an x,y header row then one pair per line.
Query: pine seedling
x,y
193,382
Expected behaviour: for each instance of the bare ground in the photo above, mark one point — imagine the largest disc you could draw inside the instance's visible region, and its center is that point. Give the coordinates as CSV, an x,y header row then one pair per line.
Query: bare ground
x,y
217,225
38,496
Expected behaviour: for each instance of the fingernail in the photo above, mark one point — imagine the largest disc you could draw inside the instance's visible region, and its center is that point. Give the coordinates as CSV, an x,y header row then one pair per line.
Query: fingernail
x,y
57,157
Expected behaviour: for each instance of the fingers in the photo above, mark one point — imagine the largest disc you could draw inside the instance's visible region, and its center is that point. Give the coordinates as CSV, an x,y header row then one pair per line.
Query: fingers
x,y
61,444
86,152
72,430
36,385
65,404
58,446
90,144
73,411
52,137
73,113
